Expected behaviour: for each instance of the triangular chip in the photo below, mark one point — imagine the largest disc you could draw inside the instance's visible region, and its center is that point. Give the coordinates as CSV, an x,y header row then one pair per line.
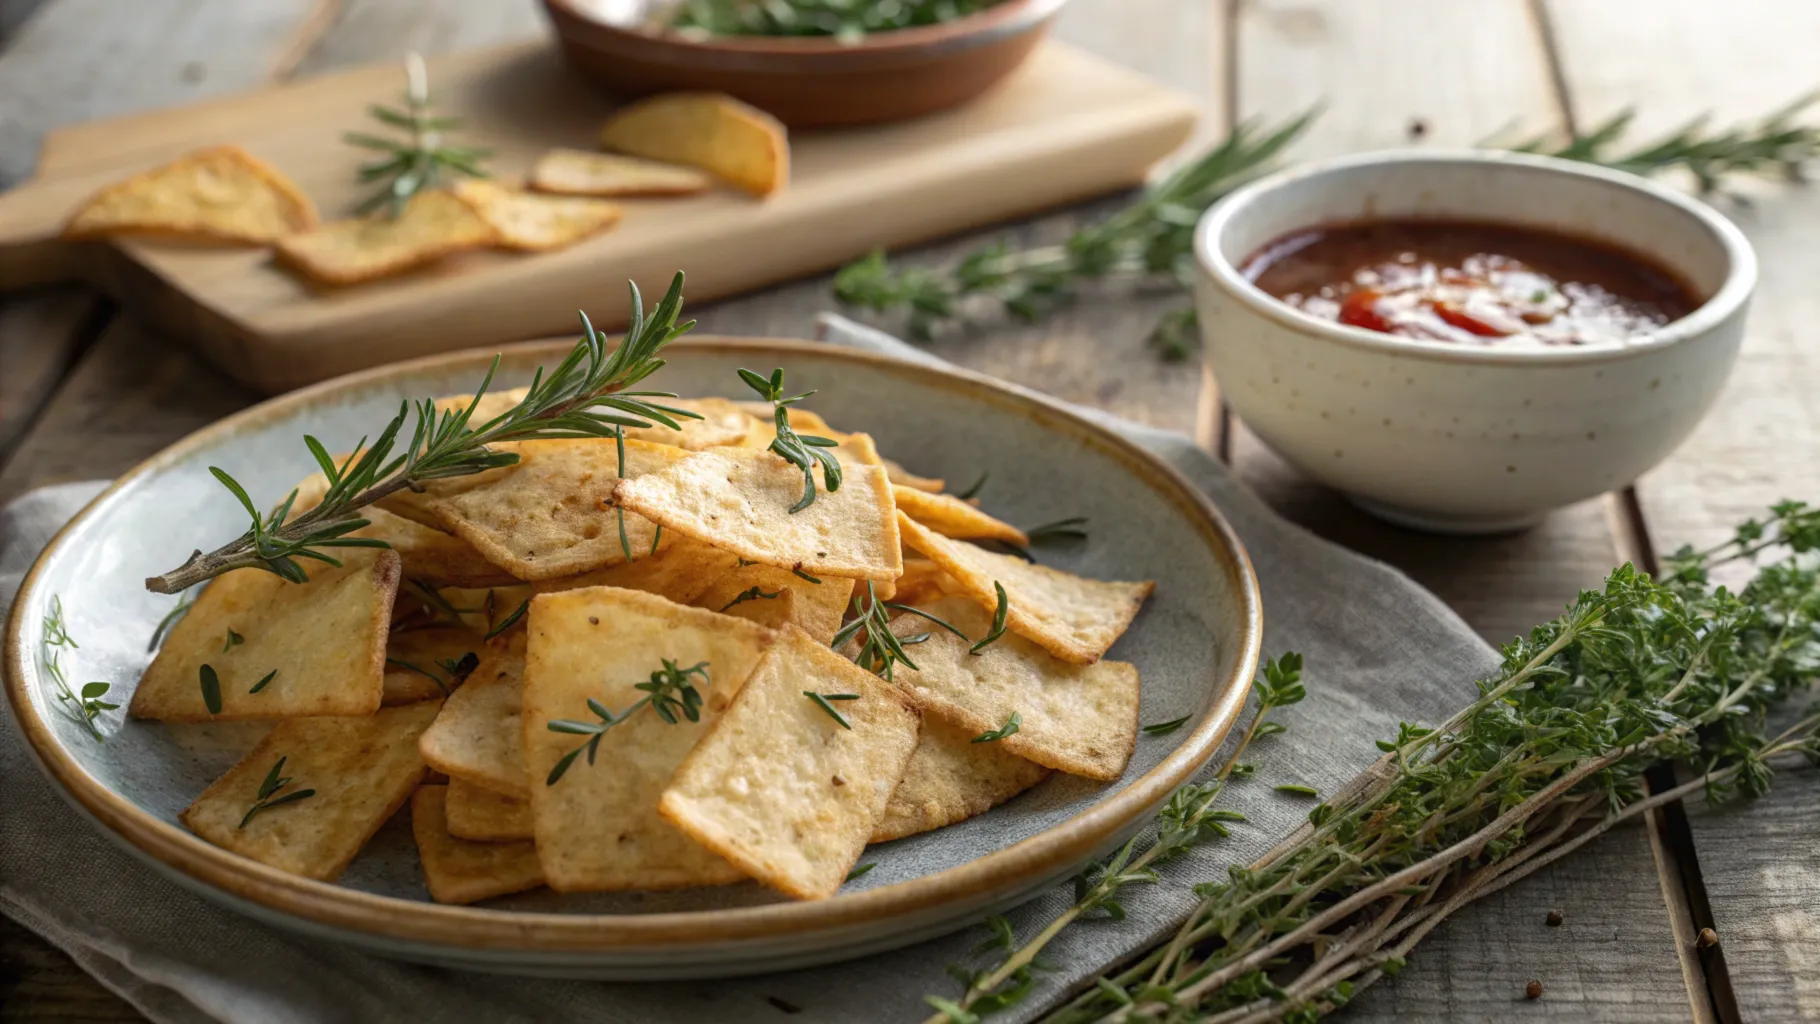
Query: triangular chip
x,y
952,517
902,477
737,143
360,770
546,516
681,570
321,643
771,596
950,778
479,737
1080,719
577,173
922,581
458,871
534,223
481,815
1075,618
423,664
221,193
433,224
597,826
740,500
428,554
780,786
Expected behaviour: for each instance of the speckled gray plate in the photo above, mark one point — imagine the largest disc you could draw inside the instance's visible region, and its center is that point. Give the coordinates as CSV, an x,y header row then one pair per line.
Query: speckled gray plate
x,y
1196,645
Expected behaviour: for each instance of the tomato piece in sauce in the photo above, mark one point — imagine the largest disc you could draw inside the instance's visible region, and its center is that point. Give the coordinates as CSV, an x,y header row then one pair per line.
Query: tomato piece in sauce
x,y
1360,309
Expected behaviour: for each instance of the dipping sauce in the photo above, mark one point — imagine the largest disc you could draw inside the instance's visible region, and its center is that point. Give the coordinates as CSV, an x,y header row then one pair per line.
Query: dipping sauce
x,y
1471,283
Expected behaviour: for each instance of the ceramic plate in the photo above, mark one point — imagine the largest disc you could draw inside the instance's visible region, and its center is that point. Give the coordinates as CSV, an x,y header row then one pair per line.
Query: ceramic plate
x,y
1195,644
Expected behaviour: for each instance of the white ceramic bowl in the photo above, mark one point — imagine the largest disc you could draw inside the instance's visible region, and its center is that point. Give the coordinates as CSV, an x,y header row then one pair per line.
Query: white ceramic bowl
x,y
1455,438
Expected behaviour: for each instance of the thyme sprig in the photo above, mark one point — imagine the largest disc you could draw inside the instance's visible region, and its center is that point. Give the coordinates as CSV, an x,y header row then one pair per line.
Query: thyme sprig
x,y
1153,239
881,650
1009,729
670,693
587,395
80,706
421,159
804,451
268,796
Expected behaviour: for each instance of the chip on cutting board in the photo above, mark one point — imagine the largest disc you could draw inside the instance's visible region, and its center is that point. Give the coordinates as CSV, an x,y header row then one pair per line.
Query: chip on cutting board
x,y
952,517
479,736
275,649
783,788
950,778
435,223
360,770
459,871
533,223
423,664
771,596
597,825
578,173
222,193
1073,617
737,143
546,516
1080,719
481,815
739,499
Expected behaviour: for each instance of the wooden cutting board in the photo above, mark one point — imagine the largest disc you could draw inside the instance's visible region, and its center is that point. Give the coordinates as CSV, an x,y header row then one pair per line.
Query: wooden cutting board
x,y
1065,126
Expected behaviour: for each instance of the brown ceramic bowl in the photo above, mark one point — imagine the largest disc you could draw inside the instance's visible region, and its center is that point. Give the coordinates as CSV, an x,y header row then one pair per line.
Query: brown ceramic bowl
x,y
805,81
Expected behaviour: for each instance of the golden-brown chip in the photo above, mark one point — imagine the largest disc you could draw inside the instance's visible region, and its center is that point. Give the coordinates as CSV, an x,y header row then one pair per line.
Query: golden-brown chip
x,y
479,737
577,173
423,664
739,144
360,769
923,580
483,816
458,871
597,826
771,596
221,193
546,516
428,554
782,788
950,778
802,421
1075,618
739,500
434,224
902,477
952,517
1080,719
534,223
278,649
681,570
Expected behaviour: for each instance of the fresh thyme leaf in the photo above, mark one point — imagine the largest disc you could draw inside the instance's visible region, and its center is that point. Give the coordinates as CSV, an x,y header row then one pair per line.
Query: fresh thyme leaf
x,y
1161,728
1294,789
170,619
261,684
998,624
669,693
211,689
805,452
859,871
587,395
821,701
81,707
233,640
881,650
1008,729
973,489
419,160
268,798
752,593
509,621
1062,529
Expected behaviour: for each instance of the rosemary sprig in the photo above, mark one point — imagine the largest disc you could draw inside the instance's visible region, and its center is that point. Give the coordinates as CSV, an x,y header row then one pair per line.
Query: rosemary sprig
x,y
847,20
421,159
752,593
80,706
998,627
1153,239
881,650
268,797
1164,728
821,701
1009,729
669,692
804,452
587,395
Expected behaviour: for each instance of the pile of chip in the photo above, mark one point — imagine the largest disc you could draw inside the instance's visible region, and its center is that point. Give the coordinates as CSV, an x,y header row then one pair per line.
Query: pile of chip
x,y
675,623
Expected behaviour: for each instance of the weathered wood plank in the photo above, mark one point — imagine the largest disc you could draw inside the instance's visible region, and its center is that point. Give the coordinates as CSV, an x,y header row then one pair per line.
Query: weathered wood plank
x,y
1735,60
39,342
372,31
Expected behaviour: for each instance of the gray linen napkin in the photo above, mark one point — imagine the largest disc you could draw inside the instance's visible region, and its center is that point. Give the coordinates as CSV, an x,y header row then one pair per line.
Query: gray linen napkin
x,y
1379,649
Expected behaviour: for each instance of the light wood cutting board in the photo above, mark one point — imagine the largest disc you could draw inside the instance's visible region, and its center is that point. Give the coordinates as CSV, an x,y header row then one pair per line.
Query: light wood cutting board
x,y
1065,126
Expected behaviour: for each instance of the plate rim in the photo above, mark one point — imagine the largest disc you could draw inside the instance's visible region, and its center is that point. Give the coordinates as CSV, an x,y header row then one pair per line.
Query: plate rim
x,y
326,904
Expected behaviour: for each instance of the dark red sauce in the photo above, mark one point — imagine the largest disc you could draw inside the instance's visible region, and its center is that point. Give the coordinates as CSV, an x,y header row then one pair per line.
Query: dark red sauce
x,y
1471,283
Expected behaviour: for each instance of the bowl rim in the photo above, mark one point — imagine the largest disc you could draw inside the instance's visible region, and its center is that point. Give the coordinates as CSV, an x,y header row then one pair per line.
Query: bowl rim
x,y
1733,292
1007,17
1049,852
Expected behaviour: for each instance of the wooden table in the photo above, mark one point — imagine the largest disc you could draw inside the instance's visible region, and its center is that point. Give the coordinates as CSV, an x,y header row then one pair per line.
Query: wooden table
x,y
86,393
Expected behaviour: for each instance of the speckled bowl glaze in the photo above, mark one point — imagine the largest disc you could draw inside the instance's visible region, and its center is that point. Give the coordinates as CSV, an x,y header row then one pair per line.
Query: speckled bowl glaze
x,y
1454,438
1196,646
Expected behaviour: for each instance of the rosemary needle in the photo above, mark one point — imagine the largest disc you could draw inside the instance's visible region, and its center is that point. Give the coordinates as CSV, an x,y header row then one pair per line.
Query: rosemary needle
x,y
804,451
268,798
669,693
821,701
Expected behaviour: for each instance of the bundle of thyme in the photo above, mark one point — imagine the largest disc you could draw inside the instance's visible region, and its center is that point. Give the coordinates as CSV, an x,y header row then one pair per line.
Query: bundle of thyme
x,y
1551,755
1153,239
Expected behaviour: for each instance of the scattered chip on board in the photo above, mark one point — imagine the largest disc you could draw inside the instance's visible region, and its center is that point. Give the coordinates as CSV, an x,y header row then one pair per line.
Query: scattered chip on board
x,y
735,142
435,223
579,173
531,222
222,193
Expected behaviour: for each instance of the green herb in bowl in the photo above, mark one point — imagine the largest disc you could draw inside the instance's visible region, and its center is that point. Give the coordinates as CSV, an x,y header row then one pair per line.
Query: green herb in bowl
x,y
843,19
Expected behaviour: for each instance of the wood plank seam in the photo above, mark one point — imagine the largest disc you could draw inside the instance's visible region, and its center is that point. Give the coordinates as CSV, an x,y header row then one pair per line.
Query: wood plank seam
x,y
310,33
87,329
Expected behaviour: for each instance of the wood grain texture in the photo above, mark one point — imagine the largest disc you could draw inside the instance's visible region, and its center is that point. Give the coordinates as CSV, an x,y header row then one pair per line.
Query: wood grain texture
x,y
373,31
41,337
1682,59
